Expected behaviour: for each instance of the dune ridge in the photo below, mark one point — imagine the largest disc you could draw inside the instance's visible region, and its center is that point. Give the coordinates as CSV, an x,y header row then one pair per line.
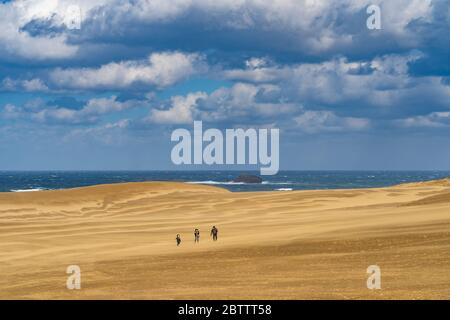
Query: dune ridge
x,y
281,245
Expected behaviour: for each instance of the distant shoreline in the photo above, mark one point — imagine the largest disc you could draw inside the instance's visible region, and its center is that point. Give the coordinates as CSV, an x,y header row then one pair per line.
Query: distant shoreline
x,y
444,181
284,181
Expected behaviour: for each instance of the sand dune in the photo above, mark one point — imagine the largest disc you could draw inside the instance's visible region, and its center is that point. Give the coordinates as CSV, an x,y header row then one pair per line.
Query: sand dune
x,y
272,245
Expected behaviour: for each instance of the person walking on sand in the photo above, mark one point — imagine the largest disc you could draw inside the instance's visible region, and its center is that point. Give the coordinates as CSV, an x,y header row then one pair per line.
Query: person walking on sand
x,y
178,239
197,235
214,233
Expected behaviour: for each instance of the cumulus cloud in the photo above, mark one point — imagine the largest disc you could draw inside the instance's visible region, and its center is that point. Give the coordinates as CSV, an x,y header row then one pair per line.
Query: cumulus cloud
x,y
10,111
286,28
327,121
308,64
31,85
16,43
257,104
290,28
39,111
257,70
432,120
331,96
245,102
180,112
240,14
363,87
159,70
241,103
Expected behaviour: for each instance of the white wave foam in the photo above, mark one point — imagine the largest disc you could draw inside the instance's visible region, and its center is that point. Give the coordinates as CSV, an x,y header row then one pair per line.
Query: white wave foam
x,y
27,190
238,183
284,189
277,183
215,182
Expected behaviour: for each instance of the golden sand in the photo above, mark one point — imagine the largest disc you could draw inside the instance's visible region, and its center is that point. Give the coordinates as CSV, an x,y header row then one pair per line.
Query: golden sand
x,y
272,245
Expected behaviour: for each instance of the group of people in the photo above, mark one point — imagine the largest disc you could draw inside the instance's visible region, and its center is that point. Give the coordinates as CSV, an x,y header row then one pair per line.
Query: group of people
x,y
214,233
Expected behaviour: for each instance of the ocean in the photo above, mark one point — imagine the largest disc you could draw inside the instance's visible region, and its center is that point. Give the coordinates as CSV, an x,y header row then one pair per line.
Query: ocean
x,y
11,181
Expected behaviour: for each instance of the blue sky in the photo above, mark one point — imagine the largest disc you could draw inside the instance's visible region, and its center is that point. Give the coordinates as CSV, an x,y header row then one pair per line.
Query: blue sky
x,y
108,95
